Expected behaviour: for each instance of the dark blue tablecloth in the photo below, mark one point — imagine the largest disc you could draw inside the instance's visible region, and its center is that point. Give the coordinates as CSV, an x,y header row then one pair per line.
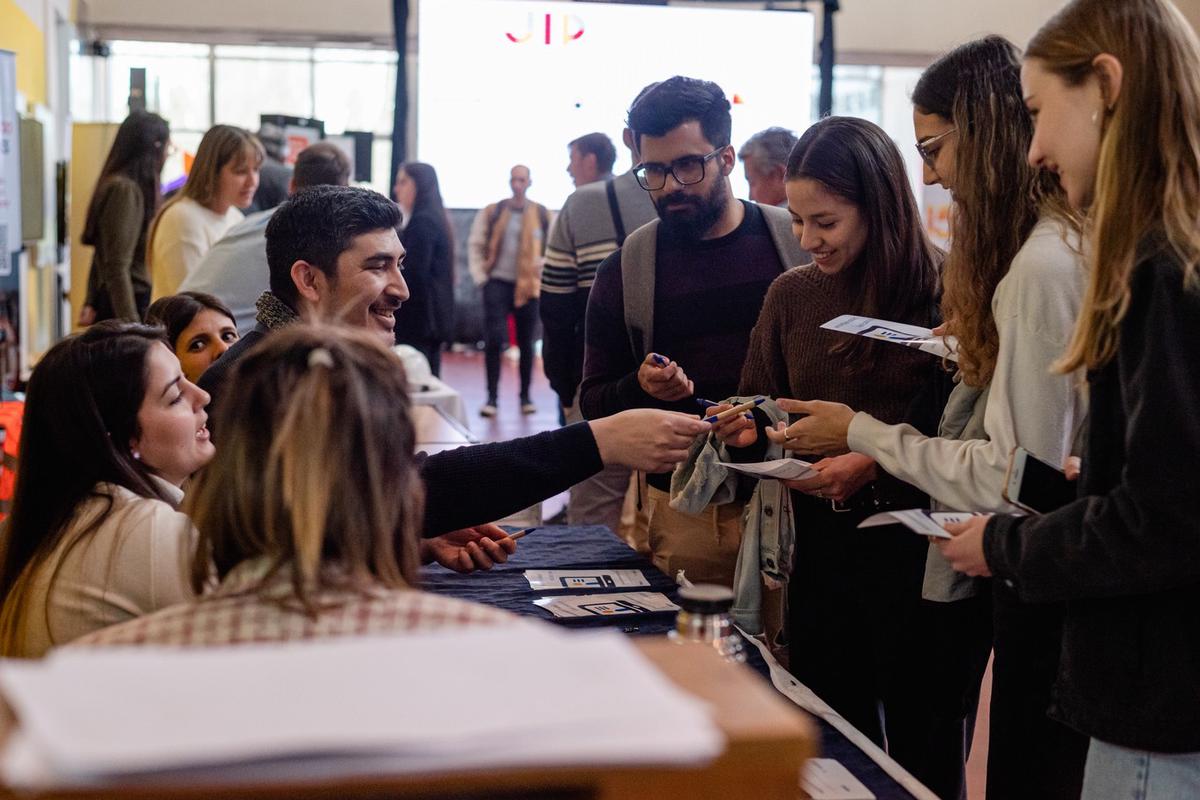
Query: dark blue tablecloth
x,y
592,547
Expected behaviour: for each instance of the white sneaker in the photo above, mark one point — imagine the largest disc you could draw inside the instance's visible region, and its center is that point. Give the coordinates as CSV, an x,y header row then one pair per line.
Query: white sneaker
x,y
488,410
527,407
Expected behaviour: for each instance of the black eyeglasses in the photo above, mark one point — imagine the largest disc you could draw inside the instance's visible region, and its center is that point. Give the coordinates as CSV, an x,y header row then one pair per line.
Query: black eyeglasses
x,y
686,171
930,156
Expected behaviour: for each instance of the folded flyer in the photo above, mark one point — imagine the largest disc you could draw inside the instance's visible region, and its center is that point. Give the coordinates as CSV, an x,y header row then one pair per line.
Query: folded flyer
x,y
897,333
920,520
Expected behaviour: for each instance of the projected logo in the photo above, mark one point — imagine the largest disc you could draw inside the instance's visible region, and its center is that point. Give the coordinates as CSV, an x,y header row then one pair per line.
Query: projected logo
x,y
541,28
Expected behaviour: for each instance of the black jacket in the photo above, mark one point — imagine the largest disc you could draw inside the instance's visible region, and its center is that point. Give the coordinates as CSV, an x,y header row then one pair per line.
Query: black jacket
x,y
1125,556
428,313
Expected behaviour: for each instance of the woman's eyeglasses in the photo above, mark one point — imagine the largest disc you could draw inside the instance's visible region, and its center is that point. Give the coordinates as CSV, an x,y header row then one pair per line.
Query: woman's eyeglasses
x,y
930,156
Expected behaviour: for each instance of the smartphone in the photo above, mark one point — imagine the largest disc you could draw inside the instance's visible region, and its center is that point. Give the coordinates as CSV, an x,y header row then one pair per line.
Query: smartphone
x,y
1034,485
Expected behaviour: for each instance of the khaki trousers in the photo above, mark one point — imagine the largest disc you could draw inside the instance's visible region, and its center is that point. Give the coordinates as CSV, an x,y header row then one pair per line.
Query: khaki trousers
x,y
704,545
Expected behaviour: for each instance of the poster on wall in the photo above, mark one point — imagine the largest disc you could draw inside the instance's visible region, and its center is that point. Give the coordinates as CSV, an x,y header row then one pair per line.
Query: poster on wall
x,y
10,164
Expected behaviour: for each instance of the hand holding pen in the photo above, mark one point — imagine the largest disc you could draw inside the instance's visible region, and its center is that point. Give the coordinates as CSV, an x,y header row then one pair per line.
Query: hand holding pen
x,y
663,379
733,425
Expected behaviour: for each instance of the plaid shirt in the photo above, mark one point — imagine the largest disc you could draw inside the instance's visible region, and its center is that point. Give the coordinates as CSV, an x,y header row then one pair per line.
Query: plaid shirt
x,y
244,610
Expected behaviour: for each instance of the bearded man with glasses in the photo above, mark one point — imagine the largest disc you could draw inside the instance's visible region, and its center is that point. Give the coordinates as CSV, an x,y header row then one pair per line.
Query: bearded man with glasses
x,y
670,312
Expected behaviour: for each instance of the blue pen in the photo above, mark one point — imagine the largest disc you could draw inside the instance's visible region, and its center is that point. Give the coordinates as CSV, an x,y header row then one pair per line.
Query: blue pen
x,y
733,412
700,401
659,360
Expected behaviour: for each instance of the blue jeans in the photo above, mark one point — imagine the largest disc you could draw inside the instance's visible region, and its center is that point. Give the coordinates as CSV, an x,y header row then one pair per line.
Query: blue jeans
x,y
1118,773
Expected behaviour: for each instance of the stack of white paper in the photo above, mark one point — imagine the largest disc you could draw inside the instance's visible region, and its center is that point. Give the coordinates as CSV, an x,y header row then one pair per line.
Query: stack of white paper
x,y
476,698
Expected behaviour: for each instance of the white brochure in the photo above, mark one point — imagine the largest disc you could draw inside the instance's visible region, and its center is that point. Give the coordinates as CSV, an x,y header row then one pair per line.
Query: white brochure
x,y
920,520
549,579
827,779
606,605
896,332
784,469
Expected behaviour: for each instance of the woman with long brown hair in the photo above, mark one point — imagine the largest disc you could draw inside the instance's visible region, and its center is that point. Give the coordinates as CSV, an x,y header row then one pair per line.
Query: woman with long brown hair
x,y
222,180
125,200
1114,88
851,594
1012,289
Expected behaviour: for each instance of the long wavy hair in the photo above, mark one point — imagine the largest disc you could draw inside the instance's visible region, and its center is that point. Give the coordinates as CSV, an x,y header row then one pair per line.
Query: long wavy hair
x,y
1148,176
80,416
897,271
315,467
138,153
998,196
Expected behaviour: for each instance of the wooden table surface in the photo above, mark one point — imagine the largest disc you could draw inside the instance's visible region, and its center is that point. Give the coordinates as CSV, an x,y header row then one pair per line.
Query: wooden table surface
x,y
768,739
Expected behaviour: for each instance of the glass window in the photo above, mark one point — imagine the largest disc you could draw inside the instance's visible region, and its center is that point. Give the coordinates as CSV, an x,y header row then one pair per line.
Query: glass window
x,y
265,52
354,96
158,49
247,88
177,84
381,165
361,55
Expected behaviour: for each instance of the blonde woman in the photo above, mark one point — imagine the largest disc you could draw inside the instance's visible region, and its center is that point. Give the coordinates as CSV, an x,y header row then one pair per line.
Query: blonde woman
x,y
312,509
223,179
1114,88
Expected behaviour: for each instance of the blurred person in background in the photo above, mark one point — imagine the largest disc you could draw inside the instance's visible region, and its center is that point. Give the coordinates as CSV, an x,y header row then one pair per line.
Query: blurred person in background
x,y
764,158
506,248
591,159
428,319
126,197
223,179
275,177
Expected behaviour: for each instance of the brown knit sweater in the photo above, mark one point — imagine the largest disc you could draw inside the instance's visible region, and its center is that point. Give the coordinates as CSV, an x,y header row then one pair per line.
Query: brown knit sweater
x,y
789,354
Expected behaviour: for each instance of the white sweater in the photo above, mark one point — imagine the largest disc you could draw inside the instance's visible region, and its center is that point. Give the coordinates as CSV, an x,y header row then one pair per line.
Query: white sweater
x,y
183,234
135,562
1035,307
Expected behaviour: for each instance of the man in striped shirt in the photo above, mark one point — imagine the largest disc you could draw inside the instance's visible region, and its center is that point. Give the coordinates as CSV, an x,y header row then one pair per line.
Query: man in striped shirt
x,y
592,224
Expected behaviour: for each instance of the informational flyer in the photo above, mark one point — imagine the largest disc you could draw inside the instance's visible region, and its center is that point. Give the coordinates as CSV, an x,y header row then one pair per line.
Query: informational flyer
x,y
606,605
897,333
784,469
920,520
550,579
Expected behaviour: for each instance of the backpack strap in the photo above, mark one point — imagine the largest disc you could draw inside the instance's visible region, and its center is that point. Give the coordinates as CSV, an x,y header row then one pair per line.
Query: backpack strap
x,y
779,223
615,209
638,256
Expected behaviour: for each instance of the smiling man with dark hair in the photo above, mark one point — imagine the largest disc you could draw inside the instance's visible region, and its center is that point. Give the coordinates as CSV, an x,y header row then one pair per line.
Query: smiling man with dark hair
x,y
334,255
